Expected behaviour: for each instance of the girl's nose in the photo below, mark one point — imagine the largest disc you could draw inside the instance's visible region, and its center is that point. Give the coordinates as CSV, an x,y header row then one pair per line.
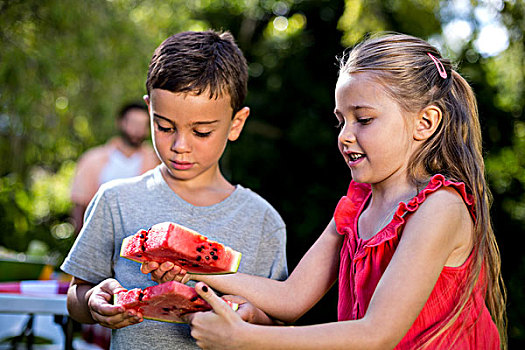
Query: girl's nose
x,y
347,135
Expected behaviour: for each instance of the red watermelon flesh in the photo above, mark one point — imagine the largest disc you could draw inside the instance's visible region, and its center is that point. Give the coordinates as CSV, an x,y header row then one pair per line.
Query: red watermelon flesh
x,y
182,246
165,302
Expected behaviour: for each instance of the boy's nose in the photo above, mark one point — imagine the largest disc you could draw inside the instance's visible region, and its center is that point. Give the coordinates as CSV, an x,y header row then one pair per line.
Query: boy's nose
x,y
180,144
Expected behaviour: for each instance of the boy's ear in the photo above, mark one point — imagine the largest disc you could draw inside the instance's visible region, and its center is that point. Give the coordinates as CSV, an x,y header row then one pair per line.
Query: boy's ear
x,y
146,99
238,123
427,122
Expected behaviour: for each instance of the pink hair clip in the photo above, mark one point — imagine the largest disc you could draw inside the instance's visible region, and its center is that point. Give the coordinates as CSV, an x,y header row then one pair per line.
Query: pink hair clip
x,y
439,66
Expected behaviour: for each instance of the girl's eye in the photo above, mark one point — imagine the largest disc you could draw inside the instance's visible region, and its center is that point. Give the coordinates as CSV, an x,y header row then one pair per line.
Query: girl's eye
x,y
202,134
364,121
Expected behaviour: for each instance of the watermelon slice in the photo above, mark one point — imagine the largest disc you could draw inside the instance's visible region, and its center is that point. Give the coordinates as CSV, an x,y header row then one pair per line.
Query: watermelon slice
x,y
182,246
166,302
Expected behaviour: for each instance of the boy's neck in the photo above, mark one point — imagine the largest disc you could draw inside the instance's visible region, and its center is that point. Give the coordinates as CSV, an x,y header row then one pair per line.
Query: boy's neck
x,y
201,192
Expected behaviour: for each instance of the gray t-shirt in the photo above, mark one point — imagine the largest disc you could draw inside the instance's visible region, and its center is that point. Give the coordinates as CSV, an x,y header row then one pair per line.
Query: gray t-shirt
x,y
243,221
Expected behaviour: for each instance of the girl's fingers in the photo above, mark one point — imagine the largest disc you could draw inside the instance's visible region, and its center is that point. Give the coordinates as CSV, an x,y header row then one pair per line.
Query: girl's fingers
x,y
220,307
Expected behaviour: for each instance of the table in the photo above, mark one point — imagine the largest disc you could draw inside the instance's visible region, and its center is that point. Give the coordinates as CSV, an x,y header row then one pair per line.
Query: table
x,y
42,304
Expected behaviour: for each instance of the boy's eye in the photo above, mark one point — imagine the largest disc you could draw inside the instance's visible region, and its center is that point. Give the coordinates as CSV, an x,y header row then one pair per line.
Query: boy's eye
x,y
163,129
202,134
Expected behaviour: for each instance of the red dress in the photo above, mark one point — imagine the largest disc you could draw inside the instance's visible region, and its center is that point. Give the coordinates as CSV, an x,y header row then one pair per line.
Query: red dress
x,y
364,261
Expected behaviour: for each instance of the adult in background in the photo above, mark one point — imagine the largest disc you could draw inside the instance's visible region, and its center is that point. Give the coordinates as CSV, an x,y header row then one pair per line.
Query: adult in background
x,y
125,155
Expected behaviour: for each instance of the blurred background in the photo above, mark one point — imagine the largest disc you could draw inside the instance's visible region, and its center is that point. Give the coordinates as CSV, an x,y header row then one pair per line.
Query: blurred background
x,y
66,67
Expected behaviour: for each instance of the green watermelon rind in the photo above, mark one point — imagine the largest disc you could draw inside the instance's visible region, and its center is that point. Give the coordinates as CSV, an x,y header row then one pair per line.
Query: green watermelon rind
x,y
163,320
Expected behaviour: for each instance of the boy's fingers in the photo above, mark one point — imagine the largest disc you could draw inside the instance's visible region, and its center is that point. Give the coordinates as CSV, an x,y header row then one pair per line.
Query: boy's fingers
x,y
148,266
186,278
235,299
219,305
112,286
175,274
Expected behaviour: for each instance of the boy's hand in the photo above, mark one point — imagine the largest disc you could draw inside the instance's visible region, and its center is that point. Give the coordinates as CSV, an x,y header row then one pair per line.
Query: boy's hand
x,y
165,272
248,311
104,312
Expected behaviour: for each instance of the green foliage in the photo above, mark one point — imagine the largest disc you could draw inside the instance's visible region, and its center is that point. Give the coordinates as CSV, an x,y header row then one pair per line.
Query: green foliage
x,y
66,66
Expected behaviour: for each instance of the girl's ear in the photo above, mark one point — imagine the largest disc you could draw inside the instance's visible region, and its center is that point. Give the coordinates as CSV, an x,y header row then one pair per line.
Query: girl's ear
x,y
427,122
238,123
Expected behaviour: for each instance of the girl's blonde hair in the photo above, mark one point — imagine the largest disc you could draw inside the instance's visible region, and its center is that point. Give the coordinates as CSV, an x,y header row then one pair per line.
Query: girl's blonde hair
x,y
402,64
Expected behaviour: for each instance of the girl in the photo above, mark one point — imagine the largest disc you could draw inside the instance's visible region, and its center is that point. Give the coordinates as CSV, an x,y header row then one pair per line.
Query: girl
x,y
411,243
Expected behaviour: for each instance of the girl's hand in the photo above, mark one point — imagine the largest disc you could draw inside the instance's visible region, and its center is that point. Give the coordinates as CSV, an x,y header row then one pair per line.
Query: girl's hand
x,y
217,329
104,312
165,272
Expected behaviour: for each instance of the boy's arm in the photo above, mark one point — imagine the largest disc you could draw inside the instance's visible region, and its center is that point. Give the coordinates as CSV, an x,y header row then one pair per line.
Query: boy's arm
x,y
77,296
89,303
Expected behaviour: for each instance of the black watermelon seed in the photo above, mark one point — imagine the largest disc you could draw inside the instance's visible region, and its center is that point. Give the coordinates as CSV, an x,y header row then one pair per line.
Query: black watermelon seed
x,y
193,299
167,309
207,258
198,258
143,248
215,257
195,265
139,255
142,236
212,253
215,249
141,295
199,249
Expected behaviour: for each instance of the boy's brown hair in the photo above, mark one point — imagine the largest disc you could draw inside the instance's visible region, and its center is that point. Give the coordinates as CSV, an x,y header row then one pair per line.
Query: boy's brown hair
x,y
198,62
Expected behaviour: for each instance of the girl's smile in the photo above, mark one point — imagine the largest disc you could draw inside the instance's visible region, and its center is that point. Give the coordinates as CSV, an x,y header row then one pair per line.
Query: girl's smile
x,y
355,158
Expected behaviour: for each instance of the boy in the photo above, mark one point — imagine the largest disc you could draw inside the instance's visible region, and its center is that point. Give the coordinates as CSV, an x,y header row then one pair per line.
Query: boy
x,y
196,85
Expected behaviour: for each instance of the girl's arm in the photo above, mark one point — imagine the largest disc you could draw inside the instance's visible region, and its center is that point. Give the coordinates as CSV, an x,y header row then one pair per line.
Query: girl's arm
x,y
438,234
290,299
